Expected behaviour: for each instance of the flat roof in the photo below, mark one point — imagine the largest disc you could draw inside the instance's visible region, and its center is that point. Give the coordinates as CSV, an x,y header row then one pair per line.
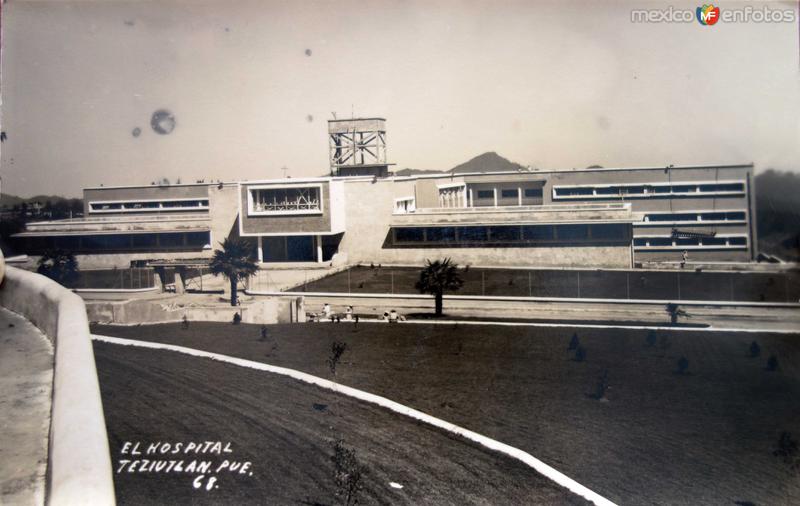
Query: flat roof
x,y
338,120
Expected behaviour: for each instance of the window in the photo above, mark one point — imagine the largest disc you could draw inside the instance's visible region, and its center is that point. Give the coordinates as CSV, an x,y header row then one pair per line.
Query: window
x,y
533,193
441,234
647,190
485,194
408,235
472,234
133,206
572,232
404,205
509,194
660,241
609,232
500,234
299,200
538,233
737,241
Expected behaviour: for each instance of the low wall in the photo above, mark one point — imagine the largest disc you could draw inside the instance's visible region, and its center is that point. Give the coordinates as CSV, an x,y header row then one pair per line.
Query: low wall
x,y
79,466
272,310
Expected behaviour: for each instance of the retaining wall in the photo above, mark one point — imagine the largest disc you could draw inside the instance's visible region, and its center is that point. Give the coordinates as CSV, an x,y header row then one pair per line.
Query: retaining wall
x,y
79,464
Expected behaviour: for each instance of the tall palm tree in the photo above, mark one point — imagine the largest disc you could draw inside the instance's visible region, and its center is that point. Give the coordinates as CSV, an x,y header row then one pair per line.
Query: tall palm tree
x,y
234,262
437,277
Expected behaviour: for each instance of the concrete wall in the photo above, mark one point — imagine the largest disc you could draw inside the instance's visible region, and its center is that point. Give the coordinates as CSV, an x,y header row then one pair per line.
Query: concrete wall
x,y
79,467
142,311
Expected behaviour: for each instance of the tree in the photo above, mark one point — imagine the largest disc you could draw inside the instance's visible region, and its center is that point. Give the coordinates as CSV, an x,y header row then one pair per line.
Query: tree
x,y
58,265
437,277
348,473
234,262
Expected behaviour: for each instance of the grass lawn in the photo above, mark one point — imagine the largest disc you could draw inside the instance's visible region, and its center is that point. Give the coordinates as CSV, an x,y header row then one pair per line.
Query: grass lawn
x,y
285,429
704,437
692,285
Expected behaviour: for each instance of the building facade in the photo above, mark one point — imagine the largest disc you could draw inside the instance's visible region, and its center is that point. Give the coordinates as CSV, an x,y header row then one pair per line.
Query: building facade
x,y
595,217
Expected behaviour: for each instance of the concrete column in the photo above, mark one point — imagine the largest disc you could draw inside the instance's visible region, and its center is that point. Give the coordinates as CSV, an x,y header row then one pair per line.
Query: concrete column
x,y
260,250
519,196
471,199
319,248
495,196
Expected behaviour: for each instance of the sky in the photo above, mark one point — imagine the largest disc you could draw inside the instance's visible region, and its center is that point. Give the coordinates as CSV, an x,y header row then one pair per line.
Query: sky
x,y
251,86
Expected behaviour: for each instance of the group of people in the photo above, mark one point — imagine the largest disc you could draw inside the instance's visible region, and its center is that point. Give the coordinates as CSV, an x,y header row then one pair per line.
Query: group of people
x,y
328,314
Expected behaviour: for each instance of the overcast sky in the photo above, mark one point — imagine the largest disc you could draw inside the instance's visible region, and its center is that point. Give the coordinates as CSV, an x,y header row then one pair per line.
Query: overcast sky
x,y
252,85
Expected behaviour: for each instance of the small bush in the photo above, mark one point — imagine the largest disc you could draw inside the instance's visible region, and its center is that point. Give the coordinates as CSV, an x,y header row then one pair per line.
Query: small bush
x,y
788,450
755,349
574,342
580,354
602,386
348,473
772,363
337,350
264,332
185,323
651,338
237,318
683,365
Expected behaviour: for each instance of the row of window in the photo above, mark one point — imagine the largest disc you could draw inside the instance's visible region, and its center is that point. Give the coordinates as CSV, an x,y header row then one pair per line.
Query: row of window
x,y
511,235
711,216
669,242
136,206
510,193
121,242
648,190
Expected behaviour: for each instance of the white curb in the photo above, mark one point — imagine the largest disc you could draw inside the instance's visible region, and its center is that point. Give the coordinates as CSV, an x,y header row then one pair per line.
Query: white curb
x,y
542,468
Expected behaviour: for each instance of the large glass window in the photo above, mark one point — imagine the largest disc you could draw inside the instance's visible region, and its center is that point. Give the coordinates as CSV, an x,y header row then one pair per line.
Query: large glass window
x,y
286,200
572,232
485,194
509,194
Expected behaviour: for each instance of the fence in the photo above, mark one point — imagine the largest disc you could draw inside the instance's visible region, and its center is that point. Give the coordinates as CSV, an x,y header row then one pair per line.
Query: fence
x,y
630,284
122,279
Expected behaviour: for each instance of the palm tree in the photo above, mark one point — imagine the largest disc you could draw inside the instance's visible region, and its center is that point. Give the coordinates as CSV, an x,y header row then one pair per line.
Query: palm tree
x,y
58,265
437,277
234,262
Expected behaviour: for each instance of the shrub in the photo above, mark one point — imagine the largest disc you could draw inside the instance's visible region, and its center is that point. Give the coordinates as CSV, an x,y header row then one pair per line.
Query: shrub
x,y
185,323
264,332
602,386
772,363
337,350
683,365
755,349
651,338
348,473
237,318
580,354
574,342
788,450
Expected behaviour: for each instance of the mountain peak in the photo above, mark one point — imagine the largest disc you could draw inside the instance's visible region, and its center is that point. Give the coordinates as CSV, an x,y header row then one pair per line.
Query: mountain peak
x,y
487,162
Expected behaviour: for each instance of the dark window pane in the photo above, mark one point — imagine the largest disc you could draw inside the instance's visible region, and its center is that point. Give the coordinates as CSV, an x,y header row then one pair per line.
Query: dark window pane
x,y
485,194
713,216
660,241
735,216
612,190
144,240
440,234
713,241
738,241
533,192
687,241
509,194
472,234
538,233
408,234
640,241
609,231
572,232
504,233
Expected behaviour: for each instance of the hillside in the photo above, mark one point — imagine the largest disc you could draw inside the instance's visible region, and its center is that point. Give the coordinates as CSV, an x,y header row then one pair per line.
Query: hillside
x,y
778,213
7,200
487,162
